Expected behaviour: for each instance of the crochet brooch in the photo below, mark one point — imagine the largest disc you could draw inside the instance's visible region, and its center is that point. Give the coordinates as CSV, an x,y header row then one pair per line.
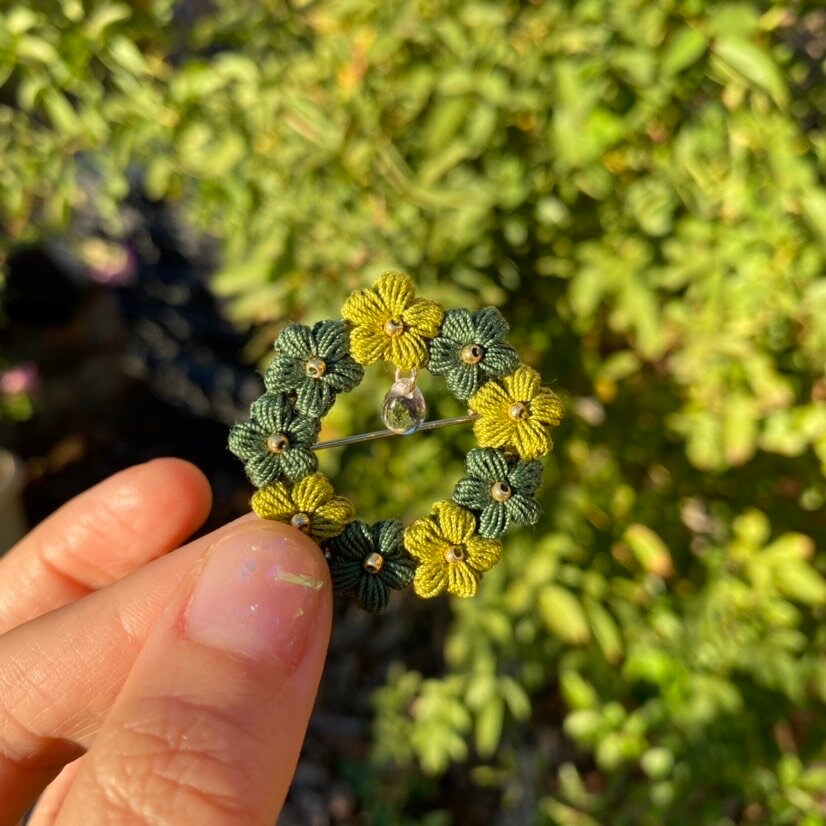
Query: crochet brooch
x,y
511,411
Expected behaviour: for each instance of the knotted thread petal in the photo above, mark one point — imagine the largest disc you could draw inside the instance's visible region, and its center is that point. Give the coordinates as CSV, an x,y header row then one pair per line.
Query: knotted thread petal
x,y
462,580
500,359
296,341
424,541
407,351
523,509
330,519
471,493
367,345
372,594
274,502
526,477
424,317
546,407
430,579
486,464
246,439
458,328
490,326
365,308
523,384
490,400
530,439
456,524
494,520
482,553
272,411
311,492
396,291
494,432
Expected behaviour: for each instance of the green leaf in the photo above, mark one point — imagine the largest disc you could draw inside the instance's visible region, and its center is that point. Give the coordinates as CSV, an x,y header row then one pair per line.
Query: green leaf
x,y
516,698
19,19
814,208
128,55
753,527
37,49
60,111
605,630
684,49
104,16
657,763
443,122
480,691
754,64
740,421
577,692
563,615
561,814
801,582
585,726
650,551
652,203
158,176
489,722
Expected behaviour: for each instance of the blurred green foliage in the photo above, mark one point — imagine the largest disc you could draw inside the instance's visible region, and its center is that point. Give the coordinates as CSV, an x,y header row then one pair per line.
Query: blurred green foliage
x,y
639,184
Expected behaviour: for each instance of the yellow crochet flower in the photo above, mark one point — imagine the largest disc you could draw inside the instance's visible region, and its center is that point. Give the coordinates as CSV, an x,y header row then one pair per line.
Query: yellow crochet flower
x,y
450,554
390,323
515,412
310,505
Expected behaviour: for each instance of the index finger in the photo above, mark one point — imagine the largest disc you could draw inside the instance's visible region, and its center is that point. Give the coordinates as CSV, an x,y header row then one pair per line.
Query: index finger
x,y
100,536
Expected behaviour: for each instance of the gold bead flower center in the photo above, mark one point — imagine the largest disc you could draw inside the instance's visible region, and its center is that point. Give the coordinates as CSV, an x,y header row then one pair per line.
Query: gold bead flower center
x,y
518,411
315,367
393,327
501,491
374,563
472,353
277,443
455,553
300,521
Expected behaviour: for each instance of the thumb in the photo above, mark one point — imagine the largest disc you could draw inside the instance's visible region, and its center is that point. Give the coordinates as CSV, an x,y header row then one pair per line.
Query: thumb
x,y
209,724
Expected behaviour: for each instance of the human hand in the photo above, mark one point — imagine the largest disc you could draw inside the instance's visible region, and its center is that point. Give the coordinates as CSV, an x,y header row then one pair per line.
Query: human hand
x,y
173,687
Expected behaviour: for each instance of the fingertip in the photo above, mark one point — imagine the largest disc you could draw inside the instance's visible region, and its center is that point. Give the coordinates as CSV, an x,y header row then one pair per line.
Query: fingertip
x,y
260,593
185,478
257,531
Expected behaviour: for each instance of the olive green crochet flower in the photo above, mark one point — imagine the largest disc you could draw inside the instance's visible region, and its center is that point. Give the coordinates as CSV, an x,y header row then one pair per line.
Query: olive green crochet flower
x,y
470,349
314,364
310,505
275,443
500,490
514,413
451,555
369,560
390,323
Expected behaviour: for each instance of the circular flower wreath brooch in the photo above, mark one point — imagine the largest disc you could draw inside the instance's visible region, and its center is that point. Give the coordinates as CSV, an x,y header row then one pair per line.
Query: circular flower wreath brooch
x,y
459,541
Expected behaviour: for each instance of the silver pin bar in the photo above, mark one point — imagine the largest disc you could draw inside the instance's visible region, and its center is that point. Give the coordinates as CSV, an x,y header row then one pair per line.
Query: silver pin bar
x,y
383,434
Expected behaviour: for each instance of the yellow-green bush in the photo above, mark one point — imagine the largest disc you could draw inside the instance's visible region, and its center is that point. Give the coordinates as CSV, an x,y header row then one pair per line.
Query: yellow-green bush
x,y
639,184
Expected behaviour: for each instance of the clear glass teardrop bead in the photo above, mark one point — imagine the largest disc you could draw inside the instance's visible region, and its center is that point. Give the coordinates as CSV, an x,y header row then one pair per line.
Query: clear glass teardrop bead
x,y
403,408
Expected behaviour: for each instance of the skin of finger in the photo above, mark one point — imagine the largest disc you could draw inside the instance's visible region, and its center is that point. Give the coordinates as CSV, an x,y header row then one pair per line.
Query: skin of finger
x,y
206,733
60,673
102,535
51,801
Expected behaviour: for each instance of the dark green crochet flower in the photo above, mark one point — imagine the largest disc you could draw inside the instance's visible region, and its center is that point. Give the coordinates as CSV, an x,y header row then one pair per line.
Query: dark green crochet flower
x,y
369,560
276,442
314,364
470,349
500,490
